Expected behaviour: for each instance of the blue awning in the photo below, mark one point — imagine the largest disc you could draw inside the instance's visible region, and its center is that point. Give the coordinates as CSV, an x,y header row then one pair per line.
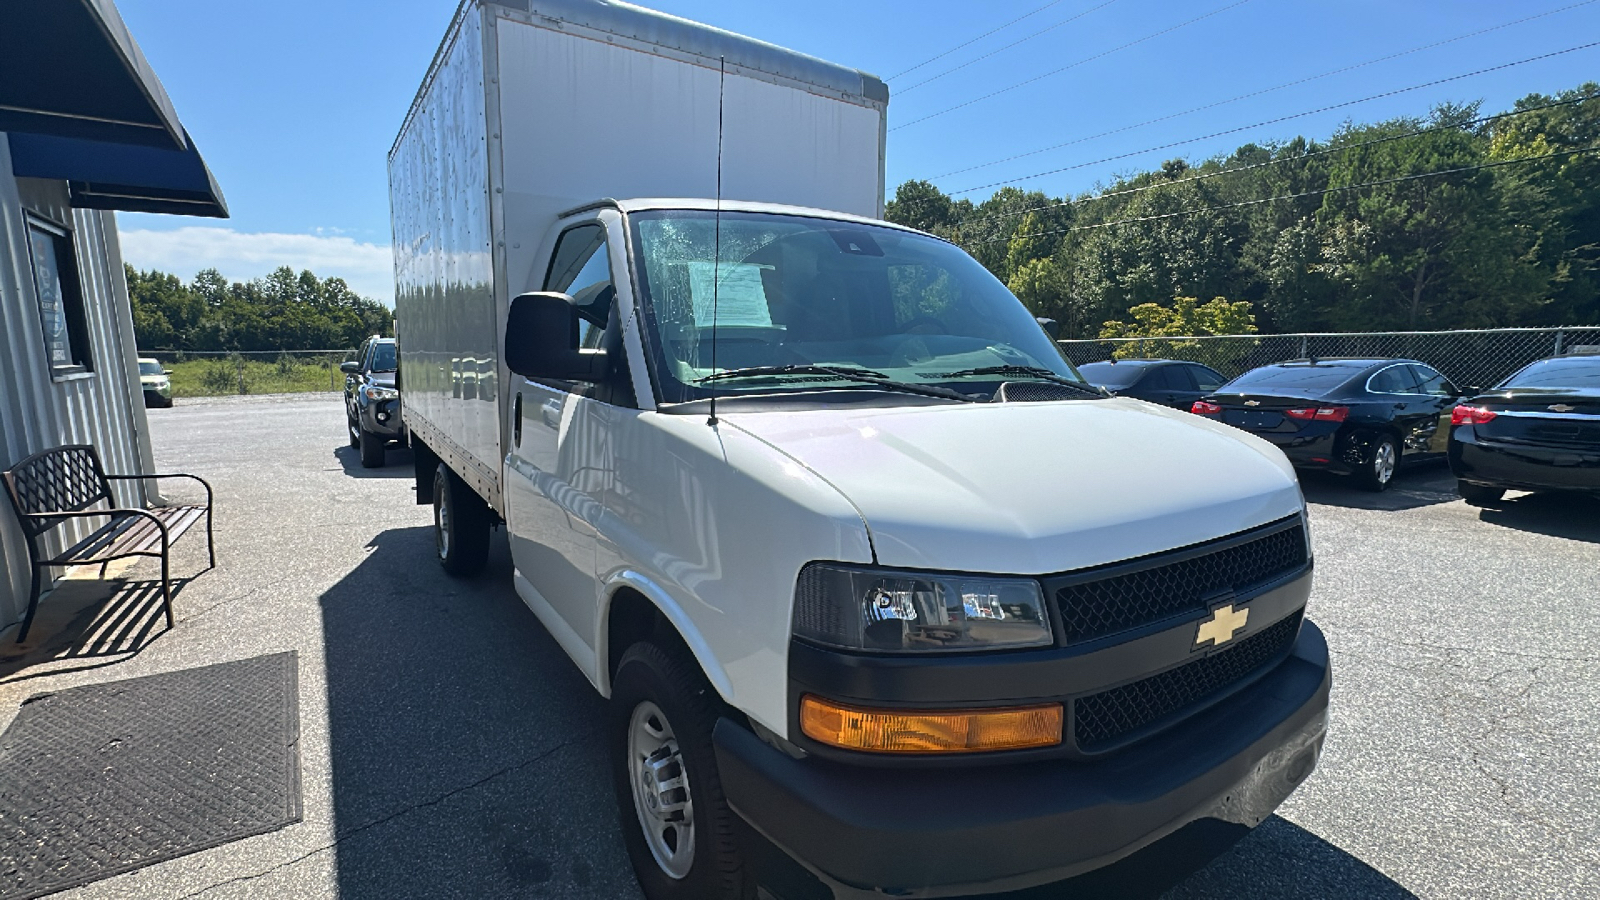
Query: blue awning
x,y
126,177
70,68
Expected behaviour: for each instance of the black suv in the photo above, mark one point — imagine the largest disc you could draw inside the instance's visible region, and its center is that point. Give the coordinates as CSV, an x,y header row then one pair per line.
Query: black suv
x,y
371,400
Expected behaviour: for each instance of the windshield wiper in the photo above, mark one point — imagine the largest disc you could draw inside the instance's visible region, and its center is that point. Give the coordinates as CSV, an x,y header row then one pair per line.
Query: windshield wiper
x,y
806,369
1030,371
849,373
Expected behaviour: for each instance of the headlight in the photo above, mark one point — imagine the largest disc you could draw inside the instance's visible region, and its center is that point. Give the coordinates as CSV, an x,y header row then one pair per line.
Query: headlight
x,y
374,393
866,608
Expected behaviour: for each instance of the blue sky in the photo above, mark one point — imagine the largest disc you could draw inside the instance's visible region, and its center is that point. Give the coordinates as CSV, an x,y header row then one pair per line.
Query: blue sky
x,y
295,103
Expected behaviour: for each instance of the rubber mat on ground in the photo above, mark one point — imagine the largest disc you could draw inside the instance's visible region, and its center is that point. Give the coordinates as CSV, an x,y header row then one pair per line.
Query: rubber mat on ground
x,y
107,778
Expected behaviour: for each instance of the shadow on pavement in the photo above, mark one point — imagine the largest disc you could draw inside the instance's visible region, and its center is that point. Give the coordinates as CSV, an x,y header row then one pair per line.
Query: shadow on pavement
x,y
1572,516
466,751
1425,484
396,463
109,622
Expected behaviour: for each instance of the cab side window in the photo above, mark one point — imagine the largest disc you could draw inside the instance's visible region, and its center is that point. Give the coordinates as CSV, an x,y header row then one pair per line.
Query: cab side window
x,y
581,269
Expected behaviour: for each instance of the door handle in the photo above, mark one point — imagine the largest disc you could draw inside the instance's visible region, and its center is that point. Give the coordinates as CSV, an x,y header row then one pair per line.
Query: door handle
x,y
516,421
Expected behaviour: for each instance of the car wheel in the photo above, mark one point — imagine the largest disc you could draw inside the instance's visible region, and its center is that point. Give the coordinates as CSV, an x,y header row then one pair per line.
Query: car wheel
x,y
1379,463
352,429
1478,495
460,525
676,823
372,449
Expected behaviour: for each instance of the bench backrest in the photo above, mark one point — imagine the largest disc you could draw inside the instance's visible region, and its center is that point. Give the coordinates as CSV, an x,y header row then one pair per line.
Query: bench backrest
x,y
62,479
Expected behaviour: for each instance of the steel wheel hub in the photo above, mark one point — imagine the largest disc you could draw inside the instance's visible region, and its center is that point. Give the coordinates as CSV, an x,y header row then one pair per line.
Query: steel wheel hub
x,y
661,797
441,527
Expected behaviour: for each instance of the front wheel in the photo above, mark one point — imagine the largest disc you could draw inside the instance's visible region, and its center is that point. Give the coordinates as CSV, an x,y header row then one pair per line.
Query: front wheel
x,y
1478,495
352,428
1379,463
373,449
460,525
676,823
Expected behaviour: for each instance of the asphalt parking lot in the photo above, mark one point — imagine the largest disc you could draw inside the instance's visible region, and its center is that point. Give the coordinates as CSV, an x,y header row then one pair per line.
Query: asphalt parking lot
x,y
449,749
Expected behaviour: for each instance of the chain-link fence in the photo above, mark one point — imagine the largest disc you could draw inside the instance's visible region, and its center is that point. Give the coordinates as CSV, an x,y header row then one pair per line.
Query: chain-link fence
x,y
1478,358
214,373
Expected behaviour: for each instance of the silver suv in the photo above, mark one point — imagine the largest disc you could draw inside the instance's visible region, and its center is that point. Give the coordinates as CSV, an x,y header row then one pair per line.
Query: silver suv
x,y
371,400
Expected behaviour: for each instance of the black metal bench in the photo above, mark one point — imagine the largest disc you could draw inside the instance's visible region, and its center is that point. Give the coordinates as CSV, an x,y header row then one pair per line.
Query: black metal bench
x,y
51,488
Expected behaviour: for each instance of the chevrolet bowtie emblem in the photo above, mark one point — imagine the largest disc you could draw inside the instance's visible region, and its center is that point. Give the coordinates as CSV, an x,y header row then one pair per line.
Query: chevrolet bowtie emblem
x,y
1252,403
1224,623
1562,407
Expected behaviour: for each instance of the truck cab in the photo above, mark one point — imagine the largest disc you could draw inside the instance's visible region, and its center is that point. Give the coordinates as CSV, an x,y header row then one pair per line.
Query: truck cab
x,y
828,515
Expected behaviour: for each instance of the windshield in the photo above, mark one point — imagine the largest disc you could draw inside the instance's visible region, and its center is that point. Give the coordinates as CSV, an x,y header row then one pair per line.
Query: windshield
x,y
1558,373
1300,378
383,358
149,368
794,291
1111,375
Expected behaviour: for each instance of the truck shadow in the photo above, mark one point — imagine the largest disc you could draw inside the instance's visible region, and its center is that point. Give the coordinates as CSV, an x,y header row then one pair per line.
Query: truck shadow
x,y
465,752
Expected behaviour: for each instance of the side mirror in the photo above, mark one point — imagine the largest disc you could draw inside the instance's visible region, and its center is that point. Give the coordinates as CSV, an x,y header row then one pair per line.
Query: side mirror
x,y
1468,390
1050,326
542,340
166,371
350,368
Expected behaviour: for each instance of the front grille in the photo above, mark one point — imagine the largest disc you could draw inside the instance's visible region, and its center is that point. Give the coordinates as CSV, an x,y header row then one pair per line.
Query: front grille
x,y
1109,715
1098,607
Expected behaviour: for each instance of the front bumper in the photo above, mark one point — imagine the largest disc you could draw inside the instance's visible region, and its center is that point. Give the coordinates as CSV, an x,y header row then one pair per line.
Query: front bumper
x,y
1520,466
919,832
159,394
382,417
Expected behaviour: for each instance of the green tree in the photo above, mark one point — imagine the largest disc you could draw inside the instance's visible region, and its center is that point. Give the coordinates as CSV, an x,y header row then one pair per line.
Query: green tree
x,y
1187,317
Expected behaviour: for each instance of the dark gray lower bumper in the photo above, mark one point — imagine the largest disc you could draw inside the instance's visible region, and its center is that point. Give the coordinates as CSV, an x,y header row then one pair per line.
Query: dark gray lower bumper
x,y
946,832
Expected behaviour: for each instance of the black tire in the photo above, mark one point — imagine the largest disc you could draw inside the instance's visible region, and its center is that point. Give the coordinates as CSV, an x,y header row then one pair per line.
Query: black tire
x,y
352,430
672,682
373,449
460,525
1374,474
1478,495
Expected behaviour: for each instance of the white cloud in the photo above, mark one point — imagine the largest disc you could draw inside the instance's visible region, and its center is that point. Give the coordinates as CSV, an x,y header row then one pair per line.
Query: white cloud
x,y
367,268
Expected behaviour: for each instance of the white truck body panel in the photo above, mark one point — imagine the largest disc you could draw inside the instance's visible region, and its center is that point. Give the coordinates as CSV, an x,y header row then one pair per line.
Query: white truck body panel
x,y
533,108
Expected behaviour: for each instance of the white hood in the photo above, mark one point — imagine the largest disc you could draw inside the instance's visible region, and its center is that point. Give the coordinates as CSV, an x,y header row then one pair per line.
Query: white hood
x,y
1035,488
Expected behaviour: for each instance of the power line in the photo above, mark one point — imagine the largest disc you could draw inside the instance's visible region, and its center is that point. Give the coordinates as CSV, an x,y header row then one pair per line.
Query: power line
x,y
1288,84
1277,120
1072,65
980,37
902,91
1346,148
1303,194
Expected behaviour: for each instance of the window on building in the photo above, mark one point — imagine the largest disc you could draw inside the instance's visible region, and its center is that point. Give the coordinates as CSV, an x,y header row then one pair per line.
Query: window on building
x,y
60,296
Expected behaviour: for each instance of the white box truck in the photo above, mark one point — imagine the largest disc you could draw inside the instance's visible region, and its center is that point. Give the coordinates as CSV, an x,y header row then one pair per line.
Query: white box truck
x,y
886,600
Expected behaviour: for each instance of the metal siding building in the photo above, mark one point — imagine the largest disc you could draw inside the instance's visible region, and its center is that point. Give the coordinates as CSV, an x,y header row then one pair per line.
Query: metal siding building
x,y
103,139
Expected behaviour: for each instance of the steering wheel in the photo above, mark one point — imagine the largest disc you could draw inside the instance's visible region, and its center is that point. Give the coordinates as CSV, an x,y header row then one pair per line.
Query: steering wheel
x,y
925,320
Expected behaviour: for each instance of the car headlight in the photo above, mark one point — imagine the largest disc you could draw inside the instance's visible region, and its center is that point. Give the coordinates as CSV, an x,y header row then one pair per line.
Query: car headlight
x,y
375,393
868,608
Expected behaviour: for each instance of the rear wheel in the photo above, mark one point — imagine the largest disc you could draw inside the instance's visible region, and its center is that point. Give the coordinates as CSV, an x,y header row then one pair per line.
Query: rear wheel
x,y
373,449
460,525
1478,495
1379,463
676,823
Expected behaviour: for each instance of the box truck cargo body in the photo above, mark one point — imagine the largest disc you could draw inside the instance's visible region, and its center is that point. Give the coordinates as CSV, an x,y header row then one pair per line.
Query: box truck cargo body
x,y
533,108
886,600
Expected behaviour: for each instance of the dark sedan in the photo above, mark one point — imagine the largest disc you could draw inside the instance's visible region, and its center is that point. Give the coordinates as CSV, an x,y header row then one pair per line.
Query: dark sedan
x,y
1539,430
1357,417
1169,382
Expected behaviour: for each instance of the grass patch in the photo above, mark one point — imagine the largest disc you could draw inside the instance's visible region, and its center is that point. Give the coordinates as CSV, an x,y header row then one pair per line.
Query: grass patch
x,y
222,376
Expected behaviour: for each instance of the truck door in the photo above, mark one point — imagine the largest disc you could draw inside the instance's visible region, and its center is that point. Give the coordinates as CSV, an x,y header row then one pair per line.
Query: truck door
x,y
551,475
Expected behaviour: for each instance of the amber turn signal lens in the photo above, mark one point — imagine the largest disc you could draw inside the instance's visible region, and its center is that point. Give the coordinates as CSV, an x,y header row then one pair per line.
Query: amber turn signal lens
x,y
930,731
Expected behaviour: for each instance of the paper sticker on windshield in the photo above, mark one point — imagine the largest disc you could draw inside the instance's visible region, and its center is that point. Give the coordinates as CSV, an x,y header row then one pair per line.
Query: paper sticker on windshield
x,y
741,298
